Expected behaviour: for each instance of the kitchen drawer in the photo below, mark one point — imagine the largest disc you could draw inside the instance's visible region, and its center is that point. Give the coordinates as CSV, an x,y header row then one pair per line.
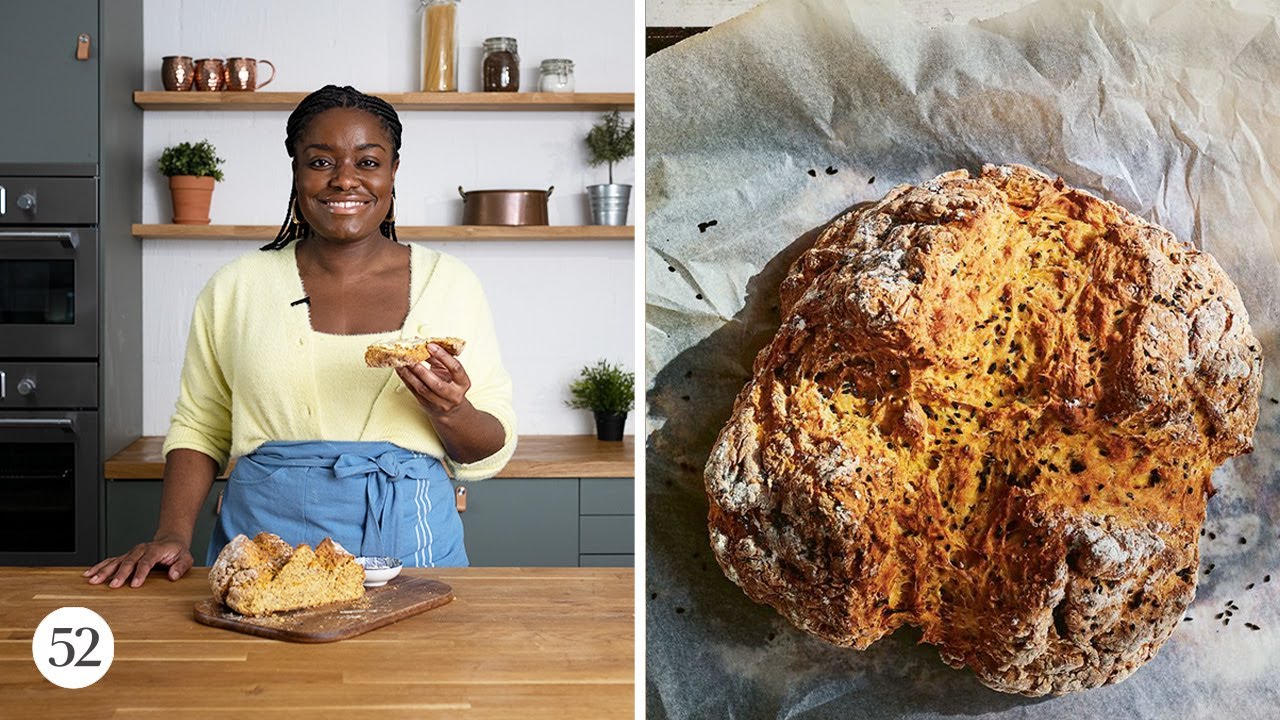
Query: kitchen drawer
x,y
606,534
606,560
607,496
133,512
522,522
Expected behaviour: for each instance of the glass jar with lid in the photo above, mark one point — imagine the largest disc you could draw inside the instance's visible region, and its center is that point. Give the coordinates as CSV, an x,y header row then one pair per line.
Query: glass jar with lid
x,y
501,65
439,45
556,75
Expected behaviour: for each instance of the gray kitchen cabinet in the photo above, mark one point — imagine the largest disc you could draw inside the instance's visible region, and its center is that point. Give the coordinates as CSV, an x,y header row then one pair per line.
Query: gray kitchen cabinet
x,y
622,560
522,522
509,522
606,522
133,511
48,97
550,522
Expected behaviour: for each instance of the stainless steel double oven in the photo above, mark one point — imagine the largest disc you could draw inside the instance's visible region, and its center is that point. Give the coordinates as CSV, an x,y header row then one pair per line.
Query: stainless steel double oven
x,y
50,476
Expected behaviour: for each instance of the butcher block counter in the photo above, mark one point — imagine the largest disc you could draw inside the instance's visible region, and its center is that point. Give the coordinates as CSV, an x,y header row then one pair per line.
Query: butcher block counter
x,y
527,643
536,456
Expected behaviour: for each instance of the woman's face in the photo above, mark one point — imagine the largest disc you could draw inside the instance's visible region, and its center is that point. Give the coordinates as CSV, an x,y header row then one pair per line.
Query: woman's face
x,y
344,174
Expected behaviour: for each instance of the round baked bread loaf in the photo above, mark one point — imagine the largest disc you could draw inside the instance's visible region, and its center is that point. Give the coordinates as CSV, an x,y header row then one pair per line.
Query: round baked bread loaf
x,y
267,575
991,412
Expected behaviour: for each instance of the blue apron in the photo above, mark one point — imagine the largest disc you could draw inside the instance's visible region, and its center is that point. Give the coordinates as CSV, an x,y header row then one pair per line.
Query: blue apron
x,y
373,498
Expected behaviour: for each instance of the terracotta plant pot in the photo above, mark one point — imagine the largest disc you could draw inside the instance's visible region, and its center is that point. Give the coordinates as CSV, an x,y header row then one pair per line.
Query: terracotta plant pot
x,y
191,198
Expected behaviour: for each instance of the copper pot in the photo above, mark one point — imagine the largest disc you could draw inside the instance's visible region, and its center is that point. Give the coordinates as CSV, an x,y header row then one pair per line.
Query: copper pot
x,y
505,207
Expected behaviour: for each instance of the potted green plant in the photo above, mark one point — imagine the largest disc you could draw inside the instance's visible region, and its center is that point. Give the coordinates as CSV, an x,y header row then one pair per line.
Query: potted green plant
x,y
608,391
192,170
610,142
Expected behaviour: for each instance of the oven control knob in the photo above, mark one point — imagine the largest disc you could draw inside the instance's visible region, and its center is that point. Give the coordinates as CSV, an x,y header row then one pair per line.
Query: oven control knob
x,y
27,201
26,386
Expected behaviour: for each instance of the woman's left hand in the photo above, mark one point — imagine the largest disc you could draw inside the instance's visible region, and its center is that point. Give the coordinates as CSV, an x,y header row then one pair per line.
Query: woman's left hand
x,y
440,384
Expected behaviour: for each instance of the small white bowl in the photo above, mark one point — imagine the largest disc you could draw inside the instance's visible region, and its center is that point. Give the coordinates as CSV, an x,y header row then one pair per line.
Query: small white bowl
x,y
378,570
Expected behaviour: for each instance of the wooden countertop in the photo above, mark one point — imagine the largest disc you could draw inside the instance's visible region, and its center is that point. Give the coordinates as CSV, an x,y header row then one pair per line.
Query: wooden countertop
x,y
536,456
528,643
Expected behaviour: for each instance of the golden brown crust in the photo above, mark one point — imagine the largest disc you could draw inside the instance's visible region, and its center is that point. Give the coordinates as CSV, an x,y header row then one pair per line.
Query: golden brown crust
x,y
991,412
408,351
266,575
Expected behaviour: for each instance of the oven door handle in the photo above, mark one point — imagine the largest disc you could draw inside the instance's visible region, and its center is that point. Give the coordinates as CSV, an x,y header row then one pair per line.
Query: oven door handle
x,y
64,423
70,238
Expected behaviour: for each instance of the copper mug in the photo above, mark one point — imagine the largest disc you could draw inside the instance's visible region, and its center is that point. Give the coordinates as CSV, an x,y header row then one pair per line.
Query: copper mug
x,y
242,73
209,74
177,72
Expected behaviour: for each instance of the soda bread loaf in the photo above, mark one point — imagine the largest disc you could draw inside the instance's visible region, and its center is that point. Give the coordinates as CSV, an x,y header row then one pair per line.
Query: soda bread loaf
x,y
266,575
408,351
991,412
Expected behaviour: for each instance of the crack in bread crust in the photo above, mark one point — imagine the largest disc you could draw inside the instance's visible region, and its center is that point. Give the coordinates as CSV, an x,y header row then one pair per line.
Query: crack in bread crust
x,y
991,412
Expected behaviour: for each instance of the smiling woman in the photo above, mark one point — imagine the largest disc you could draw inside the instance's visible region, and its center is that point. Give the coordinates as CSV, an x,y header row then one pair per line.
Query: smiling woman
x,y
275,375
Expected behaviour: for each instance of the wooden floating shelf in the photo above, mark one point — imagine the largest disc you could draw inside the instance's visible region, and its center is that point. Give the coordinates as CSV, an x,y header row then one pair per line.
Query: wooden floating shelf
x,y
404,232
194,100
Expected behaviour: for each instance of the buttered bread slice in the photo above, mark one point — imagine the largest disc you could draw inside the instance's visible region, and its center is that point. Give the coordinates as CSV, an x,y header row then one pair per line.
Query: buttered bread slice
x,y
266,575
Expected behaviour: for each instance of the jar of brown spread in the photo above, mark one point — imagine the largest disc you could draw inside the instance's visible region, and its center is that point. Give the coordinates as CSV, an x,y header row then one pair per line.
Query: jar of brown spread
x,y
501,66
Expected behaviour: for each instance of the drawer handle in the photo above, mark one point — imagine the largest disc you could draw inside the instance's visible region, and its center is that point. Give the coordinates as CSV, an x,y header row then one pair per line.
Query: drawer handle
x,y
69,238
460,499
64,423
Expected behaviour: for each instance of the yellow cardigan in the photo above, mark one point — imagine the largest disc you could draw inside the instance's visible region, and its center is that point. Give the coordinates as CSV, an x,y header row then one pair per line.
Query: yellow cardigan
x,y
247,377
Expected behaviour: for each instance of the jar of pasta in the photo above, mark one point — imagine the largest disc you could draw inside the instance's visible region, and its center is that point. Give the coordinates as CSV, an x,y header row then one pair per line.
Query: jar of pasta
x,y
556,75
501,66
439,45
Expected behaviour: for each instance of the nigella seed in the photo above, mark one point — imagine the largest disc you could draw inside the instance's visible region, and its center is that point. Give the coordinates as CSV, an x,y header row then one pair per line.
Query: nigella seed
x,y
671,268
1186,619
1243,541
813,173
702,226
1218,616
873,179
1251,626
653,596
1213,536
679,611
1266,578
1249,586
831,170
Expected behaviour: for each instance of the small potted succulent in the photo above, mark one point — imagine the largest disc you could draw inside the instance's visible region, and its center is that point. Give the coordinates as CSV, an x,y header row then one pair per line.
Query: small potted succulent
x,y
610,142
192,170
608,391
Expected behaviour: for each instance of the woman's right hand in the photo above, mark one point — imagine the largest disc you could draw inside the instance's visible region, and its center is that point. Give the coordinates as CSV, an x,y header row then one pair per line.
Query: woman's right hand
x,y
115,571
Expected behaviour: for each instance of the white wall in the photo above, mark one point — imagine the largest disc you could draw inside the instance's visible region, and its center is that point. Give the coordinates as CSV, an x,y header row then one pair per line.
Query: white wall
x,y
558,305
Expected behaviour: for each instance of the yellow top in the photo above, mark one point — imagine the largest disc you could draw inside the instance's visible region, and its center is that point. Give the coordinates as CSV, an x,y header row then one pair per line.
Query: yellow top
x,y
345,414
252,375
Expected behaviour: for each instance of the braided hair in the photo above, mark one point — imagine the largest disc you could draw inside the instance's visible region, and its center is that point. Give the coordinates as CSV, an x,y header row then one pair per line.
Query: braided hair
x,y
328,97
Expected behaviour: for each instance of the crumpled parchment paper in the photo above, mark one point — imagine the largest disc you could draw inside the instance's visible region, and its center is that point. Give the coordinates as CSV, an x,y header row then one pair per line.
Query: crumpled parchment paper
x,y
764,128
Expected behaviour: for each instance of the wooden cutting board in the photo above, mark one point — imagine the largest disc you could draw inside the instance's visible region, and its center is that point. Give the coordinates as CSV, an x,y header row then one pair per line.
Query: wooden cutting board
x,y
400,598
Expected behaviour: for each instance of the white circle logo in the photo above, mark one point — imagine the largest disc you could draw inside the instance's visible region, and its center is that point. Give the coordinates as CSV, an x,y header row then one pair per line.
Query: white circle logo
x,y
73,647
